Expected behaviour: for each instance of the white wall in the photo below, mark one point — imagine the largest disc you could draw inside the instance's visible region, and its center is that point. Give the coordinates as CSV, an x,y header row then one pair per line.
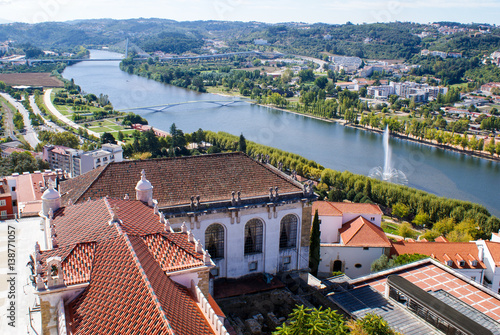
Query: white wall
x,y
492,272
329,227
185,277
235,263
350,256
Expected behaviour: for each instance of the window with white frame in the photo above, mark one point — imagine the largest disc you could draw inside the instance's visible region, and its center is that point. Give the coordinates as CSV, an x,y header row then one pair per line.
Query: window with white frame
x,y
3,203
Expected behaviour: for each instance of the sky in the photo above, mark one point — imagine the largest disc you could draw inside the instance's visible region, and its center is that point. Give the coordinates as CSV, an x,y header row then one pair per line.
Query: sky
x,y
272,11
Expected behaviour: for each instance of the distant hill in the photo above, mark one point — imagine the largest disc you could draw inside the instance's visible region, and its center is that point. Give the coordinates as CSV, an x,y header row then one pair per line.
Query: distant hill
x,y
396,40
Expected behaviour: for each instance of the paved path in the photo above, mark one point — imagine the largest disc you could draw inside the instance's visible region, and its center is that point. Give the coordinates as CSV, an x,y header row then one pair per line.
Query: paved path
x,y
22,236
30,136
53,110
49,124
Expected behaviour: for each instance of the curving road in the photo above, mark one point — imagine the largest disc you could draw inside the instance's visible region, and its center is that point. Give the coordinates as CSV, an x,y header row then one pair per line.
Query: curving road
x,y
30,135
53,110
49,125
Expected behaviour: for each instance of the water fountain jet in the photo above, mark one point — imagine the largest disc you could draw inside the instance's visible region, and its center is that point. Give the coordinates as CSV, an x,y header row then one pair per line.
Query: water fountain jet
x,y
388,173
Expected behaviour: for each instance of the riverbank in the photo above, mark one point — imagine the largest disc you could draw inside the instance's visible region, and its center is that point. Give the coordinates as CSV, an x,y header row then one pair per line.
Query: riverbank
x,y
413,139
483,155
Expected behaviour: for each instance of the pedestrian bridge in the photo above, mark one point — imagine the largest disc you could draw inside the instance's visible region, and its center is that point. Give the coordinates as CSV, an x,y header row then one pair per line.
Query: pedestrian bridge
x,y
161,108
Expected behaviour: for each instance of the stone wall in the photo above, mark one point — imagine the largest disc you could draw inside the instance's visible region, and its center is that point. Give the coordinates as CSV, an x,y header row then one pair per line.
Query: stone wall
x,y
306,225
203,284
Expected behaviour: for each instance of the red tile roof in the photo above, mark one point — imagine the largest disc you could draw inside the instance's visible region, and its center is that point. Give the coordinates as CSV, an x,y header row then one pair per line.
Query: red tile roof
x,y
126,265
440,239
429,276
360,232
328,208
325,208
494,248
176,180
442,251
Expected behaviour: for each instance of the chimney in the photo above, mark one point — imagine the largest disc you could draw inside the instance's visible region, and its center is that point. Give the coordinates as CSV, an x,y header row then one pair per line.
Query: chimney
x,y
480,253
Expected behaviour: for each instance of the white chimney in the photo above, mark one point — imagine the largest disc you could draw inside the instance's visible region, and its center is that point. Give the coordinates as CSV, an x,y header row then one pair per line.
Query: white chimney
x,y
480,253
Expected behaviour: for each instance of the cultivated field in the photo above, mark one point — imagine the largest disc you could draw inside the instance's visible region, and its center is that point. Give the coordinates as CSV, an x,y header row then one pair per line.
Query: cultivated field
x,y
31,79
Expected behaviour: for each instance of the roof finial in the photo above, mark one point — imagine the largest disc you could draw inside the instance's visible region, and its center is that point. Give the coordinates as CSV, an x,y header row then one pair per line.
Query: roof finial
x,y
143,175
190,236
184,228
167,227
198,246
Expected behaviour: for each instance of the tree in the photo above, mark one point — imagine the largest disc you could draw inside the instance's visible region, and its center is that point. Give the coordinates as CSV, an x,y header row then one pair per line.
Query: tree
x,y
405,230
121,137
400,210
490,147
421,219
242,144
107,138
24,162
314,247
370,324
313,321
321,82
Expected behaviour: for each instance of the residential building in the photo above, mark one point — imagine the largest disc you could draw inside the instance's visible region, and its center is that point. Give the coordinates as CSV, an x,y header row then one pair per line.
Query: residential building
x,y
463,257
490,250
6,204
380,92
424,297
26,190
251,217
77,162
490,87
351,237
145,127
114,266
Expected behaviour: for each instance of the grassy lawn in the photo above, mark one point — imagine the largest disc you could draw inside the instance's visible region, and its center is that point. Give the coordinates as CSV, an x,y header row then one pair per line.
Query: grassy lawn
x,y
392,228
116,127
100,129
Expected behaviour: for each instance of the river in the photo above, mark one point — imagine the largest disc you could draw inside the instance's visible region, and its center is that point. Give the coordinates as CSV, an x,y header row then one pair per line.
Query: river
x,y
434,170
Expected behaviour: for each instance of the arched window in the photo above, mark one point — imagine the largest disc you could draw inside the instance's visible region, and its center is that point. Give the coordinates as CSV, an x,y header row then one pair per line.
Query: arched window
x,y
214,240
288,231
254,231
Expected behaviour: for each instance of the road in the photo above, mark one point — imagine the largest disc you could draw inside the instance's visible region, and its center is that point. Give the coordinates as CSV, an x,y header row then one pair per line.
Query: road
x,y
49,125
9,123
314,60
53,110
30,136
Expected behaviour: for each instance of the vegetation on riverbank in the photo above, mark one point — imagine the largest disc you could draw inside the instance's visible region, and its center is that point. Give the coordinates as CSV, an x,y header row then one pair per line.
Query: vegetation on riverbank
x,y
340,186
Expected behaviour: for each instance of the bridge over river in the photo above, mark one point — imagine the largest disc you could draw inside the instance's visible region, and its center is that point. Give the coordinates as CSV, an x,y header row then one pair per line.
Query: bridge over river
x,y
163,107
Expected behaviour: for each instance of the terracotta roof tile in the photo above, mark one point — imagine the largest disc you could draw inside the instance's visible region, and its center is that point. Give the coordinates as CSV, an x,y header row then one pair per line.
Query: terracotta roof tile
x,y
360,232
329,208
125,264
176,180
325,208
181,311
494,248
170,256
443,251
420,275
